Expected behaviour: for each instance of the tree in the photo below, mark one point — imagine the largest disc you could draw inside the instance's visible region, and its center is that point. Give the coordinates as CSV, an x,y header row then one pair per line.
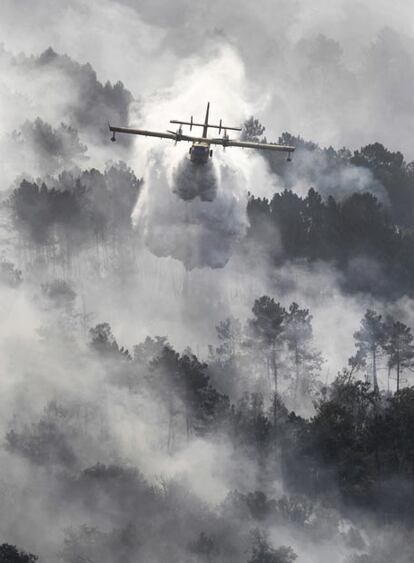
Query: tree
x,y
342,435
183,384
262,232
399,347
225,360
267,327
89,545
53,148
376,157
315,212
370,340
289,217
204,546
299,337
103,342
9,274
10,554
78,208
46,442
164,379
262,552
196,393
252,130
229,333
390,169
149,349
400,429
358,361
251,426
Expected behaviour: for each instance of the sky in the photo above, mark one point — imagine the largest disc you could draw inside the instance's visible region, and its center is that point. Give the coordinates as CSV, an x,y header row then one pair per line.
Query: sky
x,y
339,72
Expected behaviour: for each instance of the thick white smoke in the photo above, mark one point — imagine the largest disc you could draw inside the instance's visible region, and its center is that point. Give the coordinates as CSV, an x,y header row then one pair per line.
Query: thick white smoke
x,y
172,212
246,58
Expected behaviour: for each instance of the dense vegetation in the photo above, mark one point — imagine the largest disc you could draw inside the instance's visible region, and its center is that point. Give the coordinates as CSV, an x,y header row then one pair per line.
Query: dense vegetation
x,y
359,439
368,238
86,205
355,452
355,235
358,214
341,449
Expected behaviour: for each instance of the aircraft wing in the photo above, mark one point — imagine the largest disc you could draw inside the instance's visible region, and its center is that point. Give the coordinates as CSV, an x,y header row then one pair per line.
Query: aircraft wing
x,y
159,134
250,145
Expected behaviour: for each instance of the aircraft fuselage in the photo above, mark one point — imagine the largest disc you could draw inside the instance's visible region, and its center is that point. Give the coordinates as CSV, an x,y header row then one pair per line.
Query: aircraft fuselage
x,y
200,152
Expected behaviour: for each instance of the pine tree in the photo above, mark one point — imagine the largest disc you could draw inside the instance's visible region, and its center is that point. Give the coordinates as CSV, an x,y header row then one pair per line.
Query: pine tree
x,y
369,341
267,327
299,337
399,347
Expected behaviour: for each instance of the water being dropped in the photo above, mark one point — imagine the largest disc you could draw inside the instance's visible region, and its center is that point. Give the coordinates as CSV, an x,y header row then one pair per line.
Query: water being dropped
x,y
195,180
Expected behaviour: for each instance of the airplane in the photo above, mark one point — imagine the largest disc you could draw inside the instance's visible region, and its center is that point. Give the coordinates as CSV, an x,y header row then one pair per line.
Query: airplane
x,y
200,151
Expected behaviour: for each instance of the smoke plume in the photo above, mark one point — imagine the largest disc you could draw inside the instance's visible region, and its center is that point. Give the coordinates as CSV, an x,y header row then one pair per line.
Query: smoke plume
x,y
119,260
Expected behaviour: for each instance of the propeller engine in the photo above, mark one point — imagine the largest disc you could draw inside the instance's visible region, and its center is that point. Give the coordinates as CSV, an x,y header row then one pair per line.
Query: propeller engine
x,y
225,138
178,134
113,139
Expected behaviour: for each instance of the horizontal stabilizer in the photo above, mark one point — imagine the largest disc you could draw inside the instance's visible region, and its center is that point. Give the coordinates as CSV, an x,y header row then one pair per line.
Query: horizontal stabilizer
x,y
203,125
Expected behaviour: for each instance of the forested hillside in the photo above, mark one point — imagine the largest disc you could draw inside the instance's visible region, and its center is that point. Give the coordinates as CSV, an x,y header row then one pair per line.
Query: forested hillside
x,y
206,363
342,446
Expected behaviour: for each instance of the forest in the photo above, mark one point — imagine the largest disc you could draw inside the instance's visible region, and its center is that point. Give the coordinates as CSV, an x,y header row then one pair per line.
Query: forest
x,y
342,449
212,364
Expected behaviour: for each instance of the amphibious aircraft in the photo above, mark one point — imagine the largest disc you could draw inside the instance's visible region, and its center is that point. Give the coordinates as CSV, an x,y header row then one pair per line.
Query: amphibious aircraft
x,y
200,150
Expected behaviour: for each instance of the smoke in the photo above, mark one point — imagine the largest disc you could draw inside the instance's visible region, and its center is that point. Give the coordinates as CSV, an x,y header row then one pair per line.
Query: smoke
x,y
221,67
196,232
339,74
86,470
78,98
39,149
329,175
195,214
54,110
191,181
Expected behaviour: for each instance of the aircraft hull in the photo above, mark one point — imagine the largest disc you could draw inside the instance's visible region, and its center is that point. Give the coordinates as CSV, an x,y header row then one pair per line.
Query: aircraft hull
x,y
200,153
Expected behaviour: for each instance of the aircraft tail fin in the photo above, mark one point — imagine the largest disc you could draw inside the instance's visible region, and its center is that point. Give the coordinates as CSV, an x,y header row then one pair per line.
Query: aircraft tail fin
x,y
206,125
205,128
